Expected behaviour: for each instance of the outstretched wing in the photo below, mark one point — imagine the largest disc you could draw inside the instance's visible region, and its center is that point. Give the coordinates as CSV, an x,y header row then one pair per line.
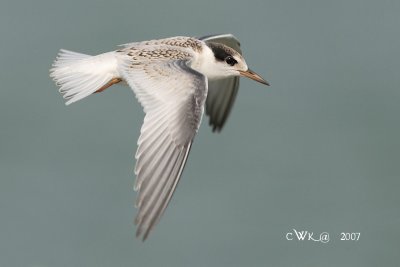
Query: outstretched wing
x,y
172,95
221,93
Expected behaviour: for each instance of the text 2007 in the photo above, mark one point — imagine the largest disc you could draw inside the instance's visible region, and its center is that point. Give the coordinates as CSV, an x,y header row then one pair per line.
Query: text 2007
x,y
349,236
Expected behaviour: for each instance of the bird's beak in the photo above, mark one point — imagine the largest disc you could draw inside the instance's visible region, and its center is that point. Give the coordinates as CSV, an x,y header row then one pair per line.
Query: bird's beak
x,y
254,76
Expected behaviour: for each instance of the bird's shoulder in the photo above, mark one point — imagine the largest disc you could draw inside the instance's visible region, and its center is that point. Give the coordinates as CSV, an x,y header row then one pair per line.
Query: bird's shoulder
x,y
173,48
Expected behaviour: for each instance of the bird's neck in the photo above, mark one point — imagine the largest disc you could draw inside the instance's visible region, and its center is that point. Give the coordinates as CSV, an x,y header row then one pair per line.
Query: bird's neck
x,y
205,63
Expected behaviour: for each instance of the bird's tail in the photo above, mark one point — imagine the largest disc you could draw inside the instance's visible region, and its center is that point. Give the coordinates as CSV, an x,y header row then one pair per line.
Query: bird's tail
x,y
80,75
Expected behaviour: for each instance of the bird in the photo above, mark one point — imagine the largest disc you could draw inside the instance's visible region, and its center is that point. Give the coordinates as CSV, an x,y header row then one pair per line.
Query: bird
x,y
174,79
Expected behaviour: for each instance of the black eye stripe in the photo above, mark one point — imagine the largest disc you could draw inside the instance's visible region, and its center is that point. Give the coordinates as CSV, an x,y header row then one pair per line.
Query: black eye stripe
x,y
220,51
223,53
230,60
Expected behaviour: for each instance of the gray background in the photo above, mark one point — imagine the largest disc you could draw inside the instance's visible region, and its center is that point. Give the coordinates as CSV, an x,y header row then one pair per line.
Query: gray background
x,y
319,150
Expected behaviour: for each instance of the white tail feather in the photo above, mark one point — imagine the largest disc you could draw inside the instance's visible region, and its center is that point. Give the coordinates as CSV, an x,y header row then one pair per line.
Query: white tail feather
x,y
80,75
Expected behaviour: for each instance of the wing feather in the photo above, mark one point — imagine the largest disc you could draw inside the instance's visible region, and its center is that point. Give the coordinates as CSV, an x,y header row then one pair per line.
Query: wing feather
x,y
174,104
161,204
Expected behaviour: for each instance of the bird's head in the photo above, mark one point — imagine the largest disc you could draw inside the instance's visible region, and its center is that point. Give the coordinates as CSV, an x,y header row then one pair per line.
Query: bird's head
x,y
228,62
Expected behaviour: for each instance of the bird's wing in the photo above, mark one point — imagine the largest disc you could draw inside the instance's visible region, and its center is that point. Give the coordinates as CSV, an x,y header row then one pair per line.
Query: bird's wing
x,y
221,93
172,95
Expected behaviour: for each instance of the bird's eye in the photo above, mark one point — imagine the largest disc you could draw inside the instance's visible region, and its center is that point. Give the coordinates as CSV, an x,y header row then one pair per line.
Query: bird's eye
x,y
230,60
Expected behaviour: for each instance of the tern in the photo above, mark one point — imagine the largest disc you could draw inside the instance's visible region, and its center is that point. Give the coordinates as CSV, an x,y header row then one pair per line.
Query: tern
x,y
174,79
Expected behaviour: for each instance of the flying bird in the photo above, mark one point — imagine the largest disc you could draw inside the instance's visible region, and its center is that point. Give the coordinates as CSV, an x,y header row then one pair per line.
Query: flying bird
x,y
173,79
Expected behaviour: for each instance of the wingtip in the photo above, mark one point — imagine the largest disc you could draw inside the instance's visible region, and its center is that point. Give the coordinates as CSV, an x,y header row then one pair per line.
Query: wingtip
x,y
216,129
139,233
